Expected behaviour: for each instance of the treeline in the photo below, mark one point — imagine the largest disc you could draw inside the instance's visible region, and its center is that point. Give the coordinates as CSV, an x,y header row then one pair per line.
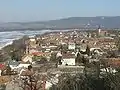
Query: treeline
x,y
17,49
89,80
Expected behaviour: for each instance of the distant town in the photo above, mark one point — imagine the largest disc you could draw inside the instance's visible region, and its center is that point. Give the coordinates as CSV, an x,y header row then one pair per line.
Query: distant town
x,y
64,60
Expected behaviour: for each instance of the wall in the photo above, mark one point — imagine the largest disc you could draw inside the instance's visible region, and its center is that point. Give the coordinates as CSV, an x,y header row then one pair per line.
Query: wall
x,y
69,61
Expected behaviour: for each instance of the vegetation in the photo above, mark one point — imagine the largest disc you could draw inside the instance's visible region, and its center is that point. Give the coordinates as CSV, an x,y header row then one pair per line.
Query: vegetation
x,y
88,50
63,48
8,70
17,49
53,57
79,82
118,43
40,59
90,80
4,56
78,59
36,58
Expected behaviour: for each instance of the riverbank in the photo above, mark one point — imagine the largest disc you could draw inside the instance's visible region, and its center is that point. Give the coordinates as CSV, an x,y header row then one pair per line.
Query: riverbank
x,y
6,38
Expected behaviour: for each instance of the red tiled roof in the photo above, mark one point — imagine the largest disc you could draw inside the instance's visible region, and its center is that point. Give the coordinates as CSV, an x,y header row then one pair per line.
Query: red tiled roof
x,y
38,53
2,66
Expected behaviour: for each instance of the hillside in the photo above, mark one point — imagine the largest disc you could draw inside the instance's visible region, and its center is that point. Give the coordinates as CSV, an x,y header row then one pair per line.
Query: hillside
x,y
72,22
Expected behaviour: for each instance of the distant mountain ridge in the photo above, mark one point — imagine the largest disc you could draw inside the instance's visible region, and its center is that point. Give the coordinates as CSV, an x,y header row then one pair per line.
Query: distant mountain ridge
x,y
72,22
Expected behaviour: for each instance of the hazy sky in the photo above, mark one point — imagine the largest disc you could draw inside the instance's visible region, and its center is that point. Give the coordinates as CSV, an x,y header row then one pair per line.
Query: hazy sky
x,y
40,10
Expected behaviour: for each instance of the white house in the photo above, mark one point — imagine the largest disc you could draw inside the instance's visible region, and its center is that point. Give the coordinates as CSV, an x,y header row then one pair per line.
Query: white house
x,y
68,59
111,70
59,54
97,50
83,47
32,39
71,46
23,65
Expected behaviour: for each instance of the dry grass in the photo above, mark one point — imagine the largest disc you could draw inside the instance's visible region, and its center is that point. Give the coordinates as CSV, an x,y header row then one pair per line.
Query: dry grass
x,y
4,79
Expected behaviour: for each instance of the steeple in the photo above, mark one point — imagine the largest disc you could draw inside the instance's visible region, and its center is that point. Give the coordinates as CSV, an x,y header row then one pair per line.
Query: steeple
x,y
99,29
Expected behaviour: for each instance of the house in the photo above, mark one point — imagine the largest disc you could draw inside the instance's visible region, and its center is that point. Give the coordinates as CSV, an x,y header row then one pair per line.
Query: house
x,y
38,54
2,67
47,50
32,42
13,64
97,51
83,47
43,46
52,46
103,33
68,59
114,62
109,69
71,46
23,65
59,54
41,54
32,50
27,58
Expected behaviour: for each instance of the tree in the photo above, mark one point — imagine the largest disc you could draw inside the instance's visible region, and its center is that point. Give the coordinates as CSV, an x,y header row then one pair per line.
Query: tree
x,y
8,70
43,59
53,57
111,54
88,50
36,58
78,58
58,60
40,59
63,48
118,43
4,56
17,49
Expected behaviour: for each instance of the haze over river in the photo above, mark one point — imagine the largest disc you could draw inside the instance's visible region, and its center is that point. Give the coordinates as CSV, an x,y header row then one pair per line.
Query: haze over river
x,y
7,37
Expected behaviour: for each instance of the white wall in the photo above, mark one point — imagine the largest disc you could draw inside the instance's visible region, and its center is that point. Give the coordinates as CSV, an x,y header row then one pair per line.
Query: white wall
x,y
27,58
32,40
23,65
71,46
69,61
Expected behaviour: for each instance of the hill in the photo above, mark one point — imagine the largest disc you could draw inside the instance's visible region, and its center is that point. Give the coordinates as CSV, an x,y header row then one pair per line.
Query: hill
x,y
67,23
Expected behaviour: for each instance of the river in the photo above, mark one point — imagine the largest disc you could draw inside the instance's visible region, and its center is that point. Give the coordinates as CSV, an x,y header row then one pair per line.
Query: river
x,y
7,37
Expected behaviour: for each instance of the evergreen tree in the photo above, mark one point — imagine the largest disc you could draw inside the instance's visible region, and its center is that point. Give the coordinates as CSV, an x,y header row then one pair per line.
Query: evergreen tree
x,y
118,43
53,57
78,58
88,50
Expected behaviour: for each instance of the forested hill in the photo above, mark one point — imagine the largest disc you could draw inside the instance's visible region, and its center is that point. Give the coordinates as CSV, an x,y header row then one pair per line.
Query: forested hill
x,y
66,23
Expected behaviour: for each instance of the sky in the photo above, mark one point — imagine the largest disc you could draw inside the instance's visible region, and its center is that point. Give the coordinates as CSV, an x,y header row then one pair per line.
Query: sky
x,y
42,10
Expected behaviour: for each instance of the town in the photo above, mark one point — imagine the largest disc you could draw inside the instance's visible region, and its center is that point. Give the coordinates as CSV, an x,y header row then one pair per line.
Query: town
x,y
56,55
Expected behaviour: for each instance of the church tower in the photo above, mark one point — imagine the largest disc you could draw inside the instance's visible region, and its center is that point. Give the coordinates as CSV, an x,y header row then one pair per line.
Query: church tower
x,y
99,29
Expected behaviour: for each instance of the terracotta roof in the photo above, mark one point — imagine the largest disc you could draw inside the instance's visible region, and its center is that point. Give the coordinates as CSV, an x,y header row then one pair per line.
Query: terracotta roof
x,y
38,53
68,55
2,66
